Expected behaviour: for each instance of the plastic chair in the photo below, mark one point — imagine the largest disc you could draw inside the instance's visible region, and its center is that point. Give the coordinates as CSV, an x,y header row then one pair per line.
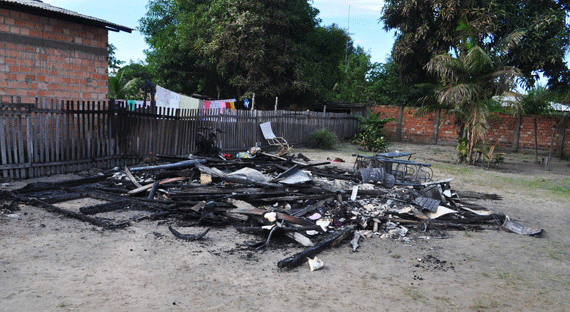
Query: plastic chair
x,y
274,140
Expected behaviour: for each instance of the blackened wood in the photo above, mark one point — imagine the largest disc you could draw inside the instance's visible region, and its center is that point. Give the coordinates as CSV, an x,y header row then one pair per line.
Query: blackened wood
x,y
258,230
280,216
72,214
336,176
131,177
301,257
472,194
285,198
160,215
105,207
153,190
312,207
64,197
188,237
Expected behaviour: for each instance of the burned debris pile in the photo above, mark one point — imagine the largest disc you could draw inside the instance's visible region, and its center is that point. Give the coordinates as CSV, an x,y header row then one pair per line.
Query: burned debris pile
x,y
275,198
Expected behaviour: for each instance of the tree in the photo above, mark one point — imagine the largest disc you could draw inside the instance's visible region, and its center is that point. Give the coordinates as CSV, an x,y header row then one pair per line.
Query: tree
x,y
386,89
173,63
429,27
469,78
112,61
238,47
128,82
354,84
257,45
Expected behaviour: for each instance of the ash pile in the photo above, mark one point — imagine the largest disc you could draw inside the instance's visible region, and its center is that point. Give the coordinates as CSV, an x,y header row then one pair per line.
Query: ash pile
x,y
275,198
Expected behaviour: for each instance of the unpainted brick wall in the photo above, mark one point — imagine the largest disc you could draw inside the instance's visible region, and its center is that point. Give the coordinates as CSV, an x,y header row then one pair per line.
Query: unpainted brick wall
x,y
34,69
501,131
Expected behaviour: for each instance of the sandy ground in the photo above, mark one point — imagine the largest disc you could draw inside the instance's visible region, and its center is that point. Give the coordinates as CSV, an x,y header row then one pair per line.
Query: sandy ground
x,y
52,263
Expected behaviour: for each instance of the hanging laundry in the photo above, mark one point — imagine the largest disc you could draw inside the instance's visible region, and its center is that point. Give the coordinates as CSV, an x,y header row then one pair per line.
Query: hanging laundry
x,y
162,96
174,101
131,104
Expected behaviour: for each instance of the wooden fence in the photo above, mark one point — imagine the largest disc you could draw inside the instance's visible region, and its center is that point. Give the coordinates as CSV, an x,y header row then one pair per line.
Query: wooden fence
x,y
56,136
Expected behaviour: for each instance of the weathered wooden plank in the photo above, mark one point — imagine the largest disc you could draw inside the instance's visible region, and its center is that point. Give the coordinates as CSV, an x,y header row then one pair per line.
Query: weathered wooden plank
x,y
49,136
3,145
29,142
20,137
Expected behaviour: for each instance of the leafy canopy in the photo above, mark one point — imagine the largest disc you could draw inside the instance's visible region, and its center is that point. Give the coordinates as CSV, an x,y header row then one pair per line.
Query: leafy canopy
x,y
429,27
239,47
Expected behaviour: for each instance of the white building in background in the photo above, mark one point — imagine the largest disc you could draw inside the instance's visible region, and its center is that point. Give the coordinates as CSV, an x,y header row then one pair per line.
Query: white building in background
x,y
510,98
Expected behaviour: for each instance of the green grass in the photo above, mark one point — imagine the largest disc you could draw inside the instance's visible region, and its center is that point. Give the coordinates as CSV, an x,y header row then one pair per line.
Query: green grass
x,y
558,188
412,293
485,302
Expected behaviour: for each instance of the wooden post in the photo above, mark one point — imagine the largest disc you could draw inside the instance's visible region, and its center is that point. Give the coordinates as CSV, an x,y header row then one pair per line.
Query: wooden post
x,y
561,131
436,126
399,123
276,101
517,133
253,101
551,146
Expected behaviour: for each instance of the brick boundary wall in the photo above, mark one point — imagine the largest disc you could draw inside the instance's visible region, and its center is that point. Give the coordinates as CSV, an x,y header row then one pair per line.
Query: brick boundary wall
x,y
42,57
501,132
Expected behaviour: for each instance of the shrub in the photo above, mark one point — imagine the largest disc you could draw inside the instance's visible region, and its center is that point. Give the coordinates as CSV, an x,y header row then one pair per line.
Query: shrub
x,y
370,133
322,139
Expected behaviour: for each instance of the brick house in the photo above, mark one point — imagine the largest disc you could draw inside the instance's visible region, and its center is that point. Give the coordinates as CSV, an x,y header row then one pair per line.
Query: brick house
x,y
50,52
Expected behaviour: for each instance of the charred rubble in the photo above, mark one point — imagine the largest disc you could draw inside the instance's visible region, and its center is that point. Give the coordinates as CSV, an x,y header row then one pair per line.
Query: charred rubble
x,y
274,198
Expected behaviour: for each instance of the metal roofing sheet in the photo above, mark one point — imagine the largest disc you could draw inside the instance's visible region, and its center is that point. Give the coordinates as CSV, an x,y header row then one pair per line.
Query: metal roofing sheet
x,y
42,6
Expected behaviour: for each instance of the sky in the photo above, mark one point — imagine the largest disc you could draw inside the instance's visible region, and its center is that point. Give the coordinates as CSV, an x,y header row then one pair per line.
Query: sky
x,y
360,17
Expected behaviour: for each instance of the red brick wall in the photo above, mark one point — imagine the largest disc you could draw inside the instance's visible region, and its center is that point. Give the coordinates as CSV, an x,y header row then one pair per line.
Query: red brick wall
x,y
49,58
388,112
501,131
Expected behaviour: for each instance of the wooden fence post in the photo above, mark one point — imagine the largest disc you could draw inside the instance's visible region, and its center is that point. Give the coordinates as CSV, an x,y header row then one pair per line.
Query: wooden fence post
x,y
561,132
399,123
436,126
517,133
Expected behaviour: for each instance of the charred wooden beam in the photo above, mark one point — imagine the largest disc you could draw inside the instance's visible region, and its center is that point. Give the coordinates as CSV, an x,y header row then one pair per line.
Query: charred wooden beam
x,y
177,165
285,198
73,214
312,207
64,197
105,207
301,257
477,195
336,176
279,216
260,231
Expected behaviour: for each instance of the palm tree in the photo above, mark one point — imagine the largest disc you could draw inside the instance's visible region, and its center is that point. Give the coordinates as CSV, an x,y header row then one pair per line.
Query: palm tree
x,y
468,79
120,88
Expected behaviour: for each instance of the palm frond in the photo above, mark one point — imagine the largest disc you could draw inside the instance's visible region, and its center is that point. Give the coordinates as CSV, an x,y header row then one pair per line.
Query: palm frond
x,y
477,60
457,95
445,67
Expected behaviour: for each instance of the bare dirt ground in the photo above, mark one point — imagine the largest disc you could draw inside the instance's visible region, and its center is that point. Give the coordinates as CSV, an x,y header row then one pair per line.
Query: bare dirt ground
x,y
52,263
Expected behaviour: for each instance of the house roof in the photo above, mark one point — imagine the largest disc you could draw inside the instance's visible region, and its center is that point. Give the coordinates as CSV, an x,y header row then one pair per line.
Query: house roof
x,y
44,9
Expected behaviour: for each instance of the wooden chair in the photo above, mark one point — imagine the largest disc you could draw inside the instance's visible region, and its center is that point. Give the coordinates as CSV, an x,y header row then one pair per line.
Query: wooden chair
x,y
274,140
